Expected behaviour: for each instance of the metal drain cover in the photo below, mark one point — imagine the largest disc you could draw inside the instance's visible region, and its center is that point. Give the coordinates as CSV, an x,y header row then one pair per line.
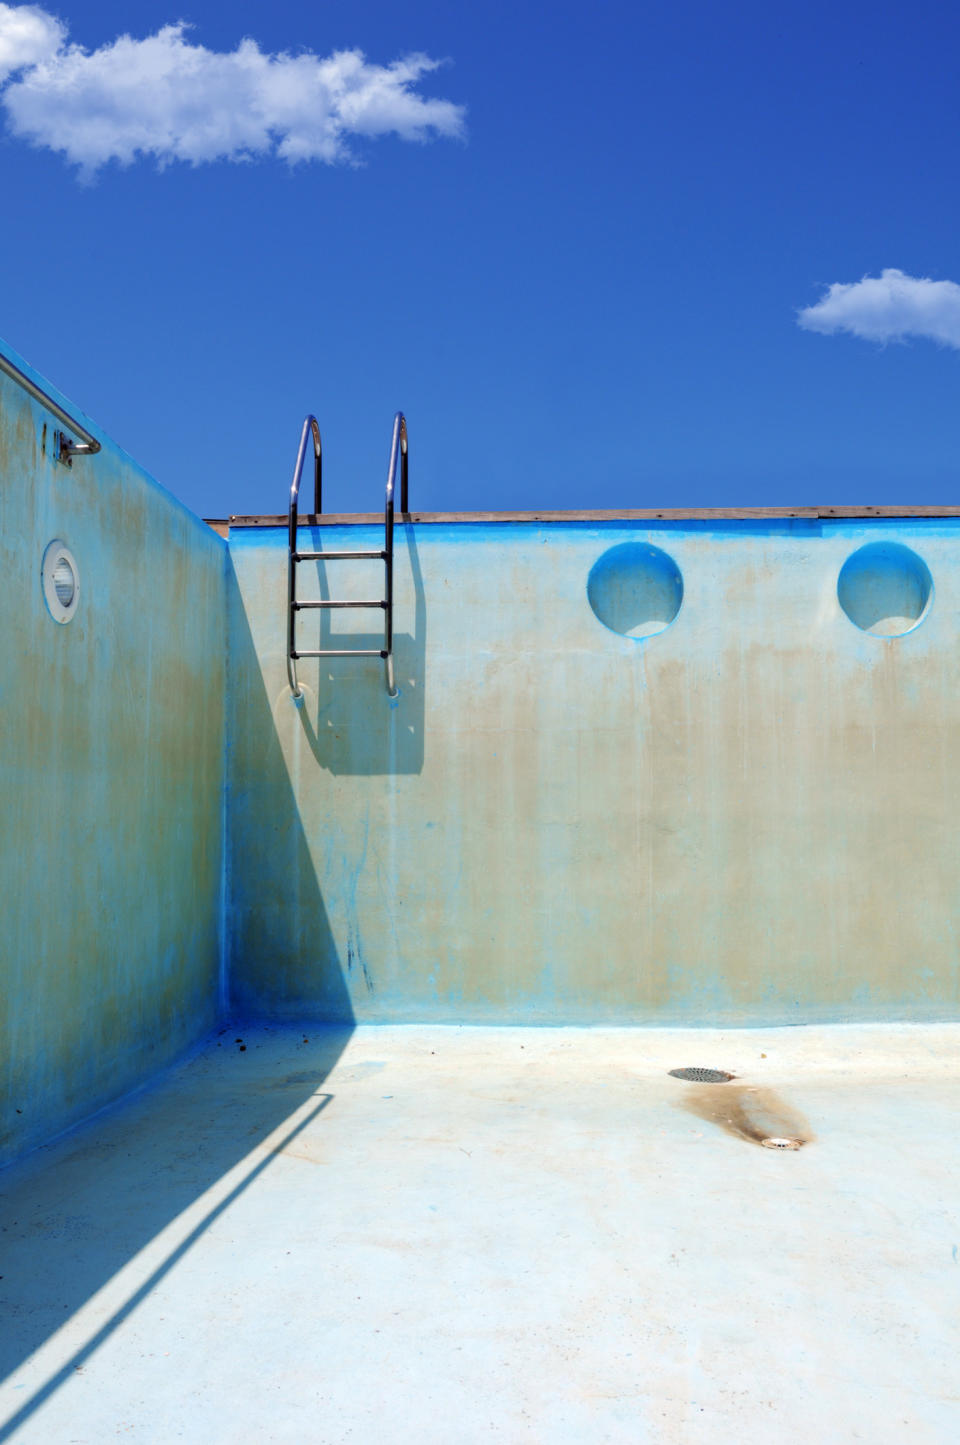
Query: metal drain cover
x,y
701,1076
776,1142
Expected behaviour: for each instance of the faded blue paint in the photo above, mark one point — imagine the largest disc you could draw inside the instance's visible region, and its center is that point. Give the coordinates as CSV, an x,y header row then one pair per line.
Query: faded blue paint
x,y
748,818
111,778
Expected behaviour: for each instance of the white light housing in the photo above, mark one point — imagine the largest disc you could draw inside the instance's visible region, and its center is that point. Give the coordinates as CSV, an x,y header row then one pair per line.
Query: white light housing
x,y
61,581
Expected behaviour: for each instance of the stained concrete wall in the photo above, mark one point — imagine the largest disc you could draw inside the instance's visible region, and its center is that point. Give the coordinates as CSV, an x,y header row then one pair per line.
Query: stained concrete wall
x,y
750,818
111,778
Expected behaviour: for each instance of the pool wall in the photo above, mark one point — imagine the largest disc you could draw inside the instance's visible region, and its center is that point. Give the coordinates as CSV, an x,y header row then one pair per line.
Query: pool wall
x,y
750,818
638,771
111,775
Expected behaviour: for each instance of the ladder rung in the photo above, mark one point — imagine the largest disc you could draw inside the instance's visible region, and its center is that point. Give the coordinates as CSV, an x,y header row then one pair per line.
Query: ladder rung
x,y
335,556
300,606
342,652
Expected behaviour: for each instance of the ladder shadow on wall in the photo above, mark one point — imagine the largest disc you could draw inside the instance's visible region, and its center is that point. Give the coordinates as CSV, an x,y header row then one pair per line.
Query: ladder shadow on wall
x,y
282,949
352,727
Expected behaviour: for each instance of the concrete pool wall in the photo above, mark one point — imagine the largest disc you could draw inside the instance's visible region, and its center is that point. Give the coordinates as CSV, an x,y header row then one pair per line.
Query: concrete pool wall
x,y
748,817
639,771
111,777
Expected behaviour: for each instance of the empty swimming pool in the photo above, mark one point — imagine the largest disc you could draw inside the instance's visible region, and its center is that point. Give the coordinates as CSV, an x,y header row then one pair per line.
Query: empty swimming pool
x,y
340,1003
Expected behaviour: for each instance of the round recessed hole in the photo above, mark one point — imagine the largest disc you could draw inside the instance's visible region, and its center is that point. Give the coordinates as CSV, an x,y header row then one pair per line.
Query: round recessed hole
x,y
701,1076
777,1141
635,589
885,589
61,581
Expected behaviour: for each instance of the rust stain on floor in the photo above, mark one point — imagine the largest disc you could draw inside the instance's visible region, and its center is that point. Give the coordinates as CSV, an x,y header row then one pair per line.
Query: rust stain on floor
x,y
747,1111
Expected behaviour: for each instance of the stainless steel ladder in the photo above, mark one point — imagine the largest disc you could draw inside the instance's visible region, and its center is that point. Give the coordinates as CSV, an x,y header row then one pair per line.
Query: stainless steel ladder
x,y
398,455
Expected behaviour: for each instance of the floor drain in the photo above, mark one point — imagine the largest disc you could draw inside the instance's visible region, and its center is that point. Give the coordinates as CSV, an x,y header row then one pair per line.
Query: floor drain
x,y
701,1076
775,1142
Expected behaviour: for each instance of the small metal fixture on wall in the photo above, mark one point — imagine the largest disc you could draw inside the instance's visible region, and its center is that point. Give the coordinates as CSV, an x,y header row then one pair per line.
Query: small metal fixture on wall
x,y
64,447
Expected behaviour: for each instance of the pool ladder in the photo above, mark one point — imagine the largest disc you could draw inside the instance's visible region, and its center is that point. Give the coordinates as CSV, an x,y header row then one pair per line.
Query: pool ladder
x,y
398,456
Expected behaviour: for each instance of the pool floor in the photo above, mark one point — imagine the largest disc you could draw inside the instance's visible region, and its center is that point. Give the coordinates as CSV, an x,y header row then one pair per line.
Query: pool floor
x,y
462,1234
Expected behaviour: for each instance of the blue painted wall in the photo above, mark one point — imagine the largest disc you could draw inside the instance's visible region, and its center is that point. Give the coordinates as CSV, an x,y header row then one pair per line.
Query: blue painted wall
x,y
750,817
636,773
111,778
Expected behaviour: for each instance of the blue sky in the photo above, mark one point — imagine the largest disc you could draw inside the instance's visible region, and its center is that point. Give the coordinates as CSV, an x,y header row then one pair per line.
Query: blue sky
x,y
589,298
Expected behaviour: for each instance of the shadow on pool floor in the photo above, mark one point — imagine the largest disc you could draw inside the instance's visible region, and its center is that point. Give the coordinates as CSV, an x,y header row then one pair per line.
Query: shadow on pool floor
x,y
75,1213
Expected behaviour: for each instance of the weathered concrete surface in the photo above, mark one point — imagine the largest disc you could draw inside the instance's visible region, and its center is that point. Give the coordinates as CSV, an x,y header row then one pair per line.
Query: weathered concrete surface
x,y
427,1234
751,817
111,779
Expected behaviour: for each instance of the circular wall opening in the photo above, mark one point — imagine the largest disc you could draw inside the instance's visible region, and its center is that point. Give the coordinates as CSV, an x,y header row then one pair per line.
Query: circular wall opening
x,y
61,581
885,589
635,589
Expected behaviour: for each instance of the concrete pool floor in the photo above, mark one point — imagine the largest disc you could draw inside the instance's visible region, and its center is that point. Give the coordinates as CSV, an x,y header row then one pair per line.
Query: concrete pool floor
x,y
460,1234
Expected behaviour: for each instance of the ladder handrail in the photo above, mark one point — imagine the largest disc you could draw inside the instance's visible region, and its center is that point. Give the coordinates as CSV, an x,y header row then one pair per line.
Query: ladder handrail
x,y
310,424
399,451
399,439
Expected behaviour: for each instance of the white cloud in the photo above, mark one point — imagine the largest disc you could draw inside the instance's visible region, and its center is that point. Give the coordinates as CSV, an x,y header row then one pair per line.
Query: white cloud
x,y
167,98
27,35
890,307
